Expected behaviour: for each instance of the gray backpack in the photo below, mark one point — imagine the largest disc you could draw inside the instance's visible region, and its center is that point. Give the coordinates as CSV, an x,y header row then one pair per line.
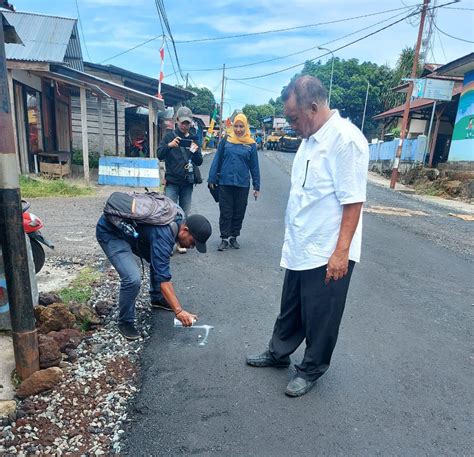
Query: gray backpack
x,y
150,208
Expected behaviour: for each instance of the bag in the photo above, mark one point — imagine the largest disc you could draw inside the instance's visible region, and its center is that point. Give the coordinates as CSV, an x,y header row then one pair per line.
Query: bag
x,y
197,175
215,190
150,208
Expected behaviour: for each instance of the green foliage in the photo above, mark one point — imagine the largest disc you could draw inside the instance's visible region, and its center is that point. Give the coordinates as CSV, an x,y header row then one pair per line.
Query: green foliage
x,y
85,325
77,158
15,379
278,106
80,289
40,187
349,88
395,132
255,113
203,102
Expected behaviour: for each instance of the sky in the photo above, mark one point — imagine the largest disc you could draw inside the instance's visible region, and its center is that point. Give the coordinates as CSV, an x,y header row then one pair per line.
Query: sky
x,y
109,27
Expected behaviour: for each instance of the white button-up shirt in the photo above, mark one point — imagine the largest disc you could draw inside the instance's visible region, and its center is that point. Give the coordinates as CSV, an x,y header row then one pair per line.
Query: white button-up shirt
x,y
329,171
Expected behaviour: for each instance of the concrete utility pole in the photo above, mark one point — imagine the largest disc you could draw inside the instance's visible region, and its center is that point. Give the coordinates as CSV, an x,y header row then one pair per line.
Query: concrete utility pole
x,y
12,237
406,111
365,107
332,72
222,105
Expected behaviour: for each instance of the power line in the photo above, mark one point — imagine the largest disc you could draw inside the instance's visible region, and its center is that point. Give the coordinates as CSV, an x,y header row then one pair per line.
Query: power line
x,y
337,49
160,6
242,35
451,36
131,49
441,44
257,87
257,33
175,72
298,52
82,30
457,8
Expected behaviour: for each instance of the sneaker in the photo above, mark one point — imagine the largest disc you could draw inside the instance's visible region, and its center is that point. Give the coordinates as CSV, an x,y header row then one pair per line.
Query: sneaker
x,y
298,386
265,360
234,243
128,330
161,304
223,246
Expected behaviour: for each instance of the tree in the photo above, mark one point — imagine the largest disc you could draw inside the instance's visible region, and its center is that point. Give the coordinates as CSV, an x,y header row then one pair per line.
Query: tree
x,y
349,88
203,102
278,106
255,113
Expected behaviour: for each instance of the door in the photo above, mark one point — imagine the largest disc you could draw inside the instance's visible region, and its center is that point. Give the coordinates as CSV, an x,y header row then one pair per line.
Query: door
x,y
63,131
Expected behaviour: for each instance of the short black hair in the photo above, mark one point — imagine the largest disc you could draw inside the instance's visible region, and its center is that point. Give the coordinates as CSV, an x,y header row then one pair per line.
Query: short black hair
x,y
307,90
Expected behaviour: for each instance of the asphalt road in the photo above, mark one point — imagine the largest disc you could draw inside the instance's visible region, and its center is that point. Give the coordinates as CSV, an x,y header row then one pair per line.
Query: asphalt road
x,y
401,379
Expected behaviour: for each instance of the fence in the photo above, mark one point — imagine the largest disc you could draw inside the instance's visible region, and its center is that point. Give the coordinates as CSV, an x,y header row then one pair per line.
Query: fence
x,y
413,150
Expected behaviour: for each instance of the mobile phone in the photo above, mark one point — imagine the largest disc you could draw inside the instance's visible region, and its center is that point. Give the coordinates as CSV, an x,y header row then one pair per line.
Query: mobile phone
x,y
185,142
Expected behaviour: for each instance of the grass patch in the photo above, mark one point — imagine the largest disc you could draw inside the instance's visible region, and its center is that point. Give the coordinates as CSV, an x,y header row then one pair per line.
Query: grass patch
x,y
16,380
80,289
40,187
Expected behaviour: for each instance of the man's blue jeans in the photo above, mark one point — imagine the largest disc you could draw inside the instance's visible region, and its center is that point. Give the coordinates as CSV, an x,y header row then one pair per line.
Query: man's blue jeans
x,y
120,255
180,194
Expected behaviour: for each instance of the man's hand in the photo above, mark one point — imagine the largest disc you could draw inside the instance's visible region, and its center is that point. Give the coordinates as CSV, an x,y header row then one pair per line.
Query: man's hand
x,y
338,265
256,194
194,147
187,319
211,185
174,143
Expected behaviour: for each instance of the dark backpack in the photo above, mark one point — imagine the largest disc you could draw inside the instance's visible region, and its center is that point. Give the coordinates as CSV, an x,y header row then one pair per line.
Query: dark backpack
x,y
150,208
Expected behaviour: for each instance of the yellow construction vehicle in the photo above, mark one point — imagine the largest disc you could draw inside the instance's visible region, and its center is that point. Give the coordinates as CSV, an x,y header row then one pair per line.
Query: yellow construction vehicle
x,y
272,140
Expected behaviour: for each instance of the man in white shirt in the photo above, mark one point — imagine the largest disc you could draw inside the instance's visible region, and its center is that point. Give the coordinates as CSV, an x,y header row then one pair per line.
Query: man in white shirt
x,y
323,233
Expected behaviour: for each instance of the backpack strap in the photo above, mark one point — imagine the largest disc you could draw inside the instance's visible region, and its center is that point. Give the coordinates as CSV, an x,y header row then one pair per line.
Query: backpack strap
x,y
179,219
174,229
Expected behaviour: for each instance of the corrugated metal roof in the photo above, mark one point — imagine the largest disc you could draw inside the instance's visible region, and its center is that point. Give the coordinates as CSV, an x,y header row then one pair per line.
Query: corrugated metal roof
x,y
46,38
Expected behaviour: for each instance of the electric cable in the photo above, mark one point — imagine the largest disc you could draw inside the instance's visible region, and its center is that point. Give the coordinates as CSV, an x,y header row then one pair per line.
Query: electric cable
x,y
264,32
82,30
451,36
231,67
337,49
298,27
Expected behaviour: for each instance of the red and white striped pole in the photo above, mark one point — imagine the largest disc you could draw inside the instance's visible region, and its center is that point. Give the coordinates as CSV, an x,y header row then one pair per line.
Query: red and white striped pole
x,y
162,76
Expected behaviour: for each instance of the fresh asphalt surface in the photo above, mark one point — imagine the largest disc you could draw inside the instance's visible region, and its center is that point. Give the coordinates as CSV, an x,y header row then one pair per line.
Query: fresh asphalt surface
x,y
401,378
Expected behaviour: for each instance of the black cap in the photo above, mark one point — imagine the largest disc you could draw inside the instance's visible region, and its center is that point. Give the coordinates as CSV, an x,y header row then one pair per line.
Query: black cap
x,y
200,229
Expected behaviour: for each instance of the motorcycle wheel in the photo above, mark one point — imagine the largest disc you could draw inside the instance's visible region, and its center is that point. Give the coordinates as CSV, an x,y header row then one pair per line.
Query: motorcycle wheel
x,y
38,254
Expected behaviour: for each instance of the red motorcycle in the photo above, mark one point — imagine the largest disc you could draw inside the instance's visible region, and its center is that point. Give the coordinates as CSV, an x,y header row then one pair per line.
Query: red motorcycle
x,y
32,225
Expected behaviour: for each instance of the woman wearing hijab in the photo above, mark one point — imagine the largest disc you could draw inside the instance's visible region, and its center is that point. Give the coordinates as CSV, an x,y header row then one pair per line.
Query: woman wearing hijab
x,y
235,160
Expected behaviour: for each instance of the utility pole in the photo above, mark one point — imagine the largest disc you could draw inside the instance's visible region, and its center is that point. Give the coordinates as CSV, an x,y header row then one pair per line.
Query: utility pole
x,y
406,111
332,72
365,107
12,237
222,104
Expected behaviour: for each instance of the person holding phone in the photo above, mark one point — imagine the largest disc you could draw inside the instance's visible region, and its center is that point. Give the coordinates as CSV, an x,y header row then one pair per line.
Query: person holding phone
x,y
180,151
235,161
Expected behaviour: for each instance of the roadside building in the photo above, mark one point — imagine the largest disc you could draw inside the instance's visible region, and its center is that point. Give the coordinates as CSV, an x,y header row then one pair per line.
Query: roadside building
x,y
462,143
60,104
425,112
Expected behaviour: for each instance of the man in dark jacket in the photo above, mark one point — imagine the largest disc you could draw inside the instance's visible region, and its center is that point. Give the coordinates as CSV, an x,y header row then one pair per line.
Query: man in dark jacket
x,y
179,182
155,244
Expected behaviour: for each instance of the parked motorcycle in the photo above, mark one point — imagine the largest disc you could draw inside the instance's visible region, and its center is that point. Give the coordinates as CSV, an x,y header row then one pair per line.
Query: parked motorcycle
x,y
32,225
